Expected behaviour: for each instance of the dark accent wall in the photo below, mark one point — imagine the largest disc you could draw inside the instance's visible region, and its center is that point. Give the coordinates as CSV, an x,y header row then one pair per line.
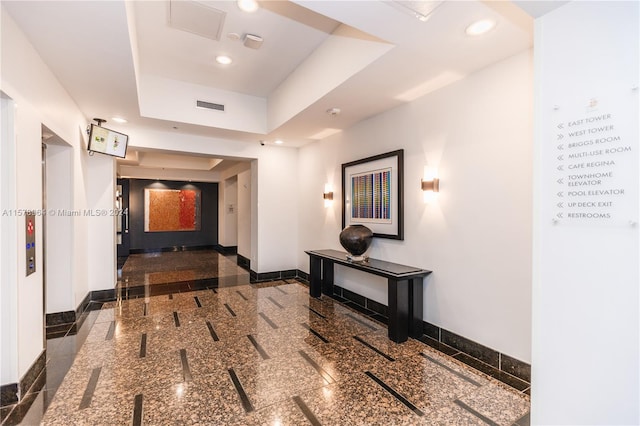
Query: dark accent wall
x,y
206,236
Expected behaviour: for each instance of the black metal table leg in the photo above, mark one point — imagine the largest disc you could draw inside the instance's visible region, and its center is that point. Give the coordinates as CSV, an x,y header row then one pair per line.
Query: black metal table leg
x,y
327,277
398,310
315,280
415,310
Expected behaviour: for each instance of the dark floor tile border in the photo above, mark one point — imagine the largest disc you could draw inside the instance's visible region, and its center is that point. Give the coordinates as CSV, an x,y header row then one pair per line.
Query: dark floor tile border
x,y
505,368
258,347
313,420
246,403
373,348
172,249
143,346
111,331
275,302
315,312
315,333
321,371
268,320
465,407
395,394
137,410
90,389
233,314
359,321
186,371
214,336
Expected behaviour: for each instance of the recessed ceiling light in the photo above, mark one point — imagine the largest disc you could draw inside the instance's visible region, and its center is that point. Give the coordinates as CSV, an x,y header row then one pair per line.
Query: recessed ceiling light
x,y
119,119
480,27
223,59
248,5
278,142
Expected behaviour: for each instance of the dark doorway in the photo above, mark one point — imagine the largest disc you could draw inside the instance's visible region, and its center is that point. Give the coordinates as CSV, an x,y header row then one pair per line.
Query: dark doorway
x,y
123,239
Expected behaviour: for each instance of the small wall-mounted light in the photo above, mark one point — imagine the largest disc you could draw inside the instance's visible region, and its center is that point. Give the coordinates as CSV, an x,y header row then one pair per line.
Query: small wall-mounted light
x,y
432,185
327,195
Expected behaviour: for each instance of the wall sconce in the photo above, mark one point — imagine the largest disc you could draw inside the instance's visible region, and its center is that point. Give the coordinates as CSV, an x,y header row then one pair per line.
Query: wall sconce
x,y
430,184
327,195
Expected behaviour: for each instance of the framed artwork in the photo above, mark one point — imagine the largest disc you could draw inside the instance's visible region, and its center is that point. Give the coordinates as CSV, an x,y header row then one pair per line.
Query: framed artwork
x,y
372,194
171,210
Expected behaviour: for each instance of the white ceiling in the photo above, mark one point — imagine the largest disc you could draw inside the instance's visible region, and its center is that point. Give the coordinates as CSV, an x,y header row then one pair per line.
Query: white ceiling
x,y
363,57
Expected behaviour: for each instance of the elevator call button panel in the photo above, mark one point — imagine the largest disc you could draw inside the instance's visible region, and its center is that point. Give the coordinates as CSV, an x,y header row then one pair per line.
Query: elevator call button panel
x,y
30,237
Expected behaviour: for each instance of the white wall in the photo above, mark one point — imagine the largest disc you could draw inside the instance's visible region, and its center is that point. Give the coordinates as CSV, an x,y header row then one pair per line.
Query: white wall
x,y
59,229
8,243
174,100
41,101
476,236
244,214
277,209
228,212
101,179
586,326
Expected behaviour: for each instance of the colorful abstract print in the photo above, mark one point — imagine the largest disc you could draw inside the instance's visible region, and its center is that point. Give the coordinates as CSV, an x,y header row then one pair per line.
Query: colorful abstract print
x,y
371,196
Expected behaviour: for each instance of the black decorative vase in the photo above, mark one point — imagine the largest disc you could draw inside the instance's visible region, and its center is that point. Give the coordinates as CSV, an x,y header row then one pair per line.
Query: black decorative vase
x,y
356,239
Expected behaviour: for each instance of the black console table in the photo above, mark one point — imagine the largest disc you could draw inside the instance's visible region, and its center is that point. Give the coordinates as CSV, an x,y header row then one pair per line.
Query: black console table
x,y
404,288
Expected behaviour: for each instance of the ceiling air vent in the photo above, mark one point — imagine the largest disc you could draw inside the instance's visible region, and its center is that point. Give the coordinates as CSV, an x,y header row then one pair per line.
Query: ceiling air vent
x,y
209,105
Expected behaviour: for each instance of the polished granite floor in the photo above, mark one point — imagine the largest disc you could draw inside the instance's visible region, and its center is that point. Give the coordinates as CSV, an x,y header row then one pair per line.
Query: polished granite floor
x,y
171,267
263,354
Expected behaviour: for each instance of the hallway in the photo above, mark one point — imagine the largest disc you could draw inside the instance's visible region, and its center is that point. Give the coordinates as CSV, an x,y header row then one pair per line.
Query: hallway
x,y
239,354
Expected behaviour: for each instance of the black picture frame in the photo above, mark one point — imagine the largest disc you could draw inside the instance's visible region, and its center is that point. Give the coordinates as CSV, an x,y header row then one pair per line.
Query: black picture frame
x,y
393,161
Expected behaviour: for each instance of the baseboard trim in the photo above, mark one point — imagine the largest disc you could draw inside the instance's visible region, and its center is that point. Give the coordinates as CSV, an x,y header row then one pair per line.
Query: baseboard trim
x,y
172,249
8,394
258,277
13,393
227,250
243,262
